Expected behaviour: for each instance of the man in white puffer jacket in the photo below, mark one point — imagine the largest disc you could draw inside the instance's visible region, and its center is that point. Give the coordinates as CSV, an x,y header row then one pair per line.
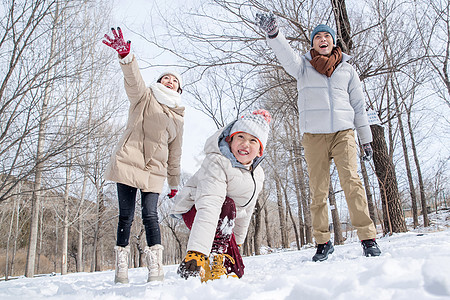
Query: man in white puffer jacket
x,y
331,105
218,201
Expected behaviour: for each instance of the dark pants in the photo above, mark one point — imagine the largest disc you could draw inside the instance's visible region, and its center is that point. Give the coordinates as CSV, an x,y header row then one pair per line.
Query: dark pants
x,y
224,240
127,203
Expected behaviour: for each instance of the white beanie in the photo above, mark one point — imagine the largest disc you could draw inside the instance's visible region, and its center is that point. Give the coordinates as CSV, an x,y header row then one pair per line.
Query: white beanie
x,y
256,124
176,74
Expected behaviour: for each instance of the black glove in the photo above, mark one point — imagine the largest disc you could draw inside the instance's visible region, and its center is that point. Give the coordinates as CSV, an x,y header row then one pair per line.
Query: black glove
x,y
368,153
268,24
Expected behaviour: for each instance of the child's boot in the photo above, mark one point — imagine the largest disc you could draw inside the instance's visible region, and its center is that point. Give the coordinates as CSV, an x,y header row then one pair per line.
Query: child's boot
x,y
153,257
217,266
194,264
122,254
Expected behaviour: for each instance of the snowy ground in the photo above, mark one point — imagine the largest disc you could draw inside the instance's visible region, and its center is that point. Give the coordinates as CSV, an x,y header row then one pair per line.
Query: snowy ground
x,y
413,265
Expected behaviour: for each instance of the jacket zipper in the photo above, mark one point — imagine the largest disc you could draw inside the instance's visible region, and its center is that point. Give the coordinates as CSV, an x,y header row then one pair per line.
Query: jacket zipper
x,y
330,97
331,102
254,190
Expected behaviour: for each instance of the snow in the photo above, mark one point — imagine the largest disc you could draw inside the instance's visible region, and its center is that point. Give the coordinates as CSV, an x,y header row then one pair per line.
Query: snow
x,y
413,265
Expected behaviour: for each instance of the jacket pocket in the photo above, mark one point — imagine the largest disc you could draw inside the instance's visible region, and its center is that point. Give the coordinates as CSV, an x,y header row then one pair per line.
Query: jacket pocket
x,y
125,138
156,151
148,152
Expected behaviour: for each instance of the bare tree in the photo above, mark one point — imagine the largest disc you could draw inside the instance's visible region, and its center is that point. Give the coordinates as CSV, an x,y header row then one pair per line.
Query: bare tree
x,y
436,40
412,190
22,30
39,156
423,198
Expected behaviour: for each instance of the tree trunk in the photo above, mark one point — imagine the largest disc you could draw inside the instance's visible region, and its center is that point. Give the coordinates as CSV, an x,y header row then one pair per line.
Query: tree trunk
x,y
288,207
16,234
99,263
96,262
80,263
301,224
94,250
412,190
139,252
281,213
258,223
298,190
266,222
342,25
247,247
65,241
55,267
300,167
423,199
384,168
172,225
305,204
36,197
35,207
96,232
8,240
291,131
337,226
41,237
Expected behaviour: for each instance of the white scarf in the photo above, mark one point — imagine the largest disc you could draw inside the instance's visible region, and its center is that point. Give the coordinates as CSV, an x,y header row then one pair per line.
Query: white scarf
x,y
165,96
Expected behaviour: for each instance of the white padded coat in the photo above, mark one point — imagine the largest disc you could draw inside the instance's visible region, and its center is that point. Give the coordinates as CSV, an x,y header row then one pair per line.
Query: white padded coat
x,y
325,104
219,176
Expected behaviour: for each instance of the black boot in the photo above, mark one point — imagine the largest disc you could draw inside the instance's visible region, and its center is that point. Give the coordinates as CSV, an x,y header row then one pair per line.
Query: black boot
x,y
370,248
322,251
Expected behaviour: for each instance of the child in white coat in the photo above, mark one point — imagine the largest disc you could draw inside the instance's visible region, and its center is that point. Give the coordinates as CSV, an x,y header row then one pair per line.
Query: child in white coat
x,y
218,201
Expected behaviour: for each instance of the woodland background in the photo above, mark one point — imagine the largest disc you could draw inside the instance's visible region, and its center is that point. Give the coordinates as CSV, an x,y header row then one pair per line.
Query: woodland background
x,y
62,109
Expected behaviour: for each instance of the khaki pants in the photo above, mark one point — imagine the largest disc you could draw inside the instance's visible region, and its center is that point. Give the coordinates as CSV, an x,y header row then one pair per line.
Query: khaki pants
x,y
319,150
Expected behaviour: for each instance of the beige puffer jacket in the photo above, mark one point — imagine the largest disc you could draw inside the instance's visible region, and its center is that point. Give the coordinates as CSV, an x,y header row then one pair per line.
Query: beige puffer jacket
x,y
150,148
220,175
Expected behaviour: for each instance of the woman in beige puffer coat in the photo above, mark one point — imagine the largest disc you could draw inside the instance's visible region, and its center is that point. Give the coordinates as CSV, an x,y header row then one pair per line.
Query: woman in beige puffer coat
x,y
148,152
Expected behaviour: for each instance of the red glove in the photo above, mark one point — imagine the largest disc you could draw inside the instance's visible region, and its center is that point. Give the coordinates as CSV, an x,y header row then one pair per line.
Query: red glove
x,y
118,43
172,193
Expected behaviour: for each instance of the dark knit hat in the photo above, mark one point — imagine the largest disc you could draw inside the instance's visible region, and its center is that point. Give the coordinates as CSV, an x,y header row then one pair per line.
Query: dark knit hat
x,y
323,28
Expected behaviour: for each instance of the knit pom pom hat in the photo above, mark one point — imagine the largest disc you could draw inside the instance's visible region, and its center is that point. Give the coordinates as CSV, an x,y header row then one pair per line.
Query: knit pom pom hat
x,y
256,124
323,28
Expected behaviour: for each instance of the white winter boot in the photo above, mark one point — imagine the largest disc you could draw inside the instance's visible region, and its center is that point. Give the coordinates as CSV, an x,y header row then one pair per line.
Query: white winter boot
x,y
122,255
153,257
